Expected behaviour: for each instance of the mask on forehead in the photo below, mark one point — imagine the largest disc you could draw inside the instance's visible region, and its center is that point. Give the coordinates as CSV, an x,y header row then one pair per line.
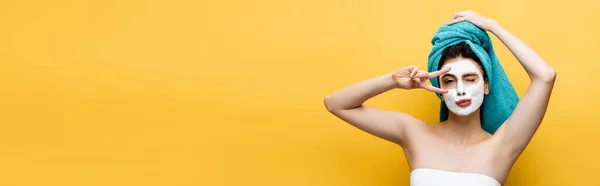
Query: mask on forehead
x,y
464,98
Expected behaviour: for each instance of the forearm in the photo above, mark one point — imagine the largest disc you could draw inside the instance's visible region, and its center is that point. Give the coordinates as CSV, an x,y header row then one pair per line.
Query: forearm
x,y
356,94
536,67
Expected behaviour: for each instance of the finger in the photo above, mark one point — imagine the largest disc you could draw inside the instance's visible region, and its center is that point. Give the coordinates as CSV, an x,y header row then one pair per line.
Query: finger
x,y
417,80
453,17
414,71
456,20
433,89
461,13
410,69
439,72
422,75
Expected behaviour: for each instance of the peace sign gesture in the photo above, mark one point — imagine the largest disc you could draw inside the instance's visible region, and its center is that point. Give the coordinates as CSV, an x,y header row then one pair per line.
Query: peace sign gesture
x,y
411,77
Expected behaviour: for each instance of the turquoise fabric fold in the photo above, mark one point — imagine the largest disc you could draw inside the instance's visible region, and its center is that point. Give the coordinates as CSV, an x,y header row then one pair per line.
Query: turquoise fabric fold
x,y
502,99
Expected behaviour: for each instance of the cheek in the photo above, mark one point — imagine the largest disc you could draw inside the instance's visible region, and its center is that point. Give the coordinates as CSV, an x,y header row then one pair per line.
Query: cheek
x,y
450,95
475,89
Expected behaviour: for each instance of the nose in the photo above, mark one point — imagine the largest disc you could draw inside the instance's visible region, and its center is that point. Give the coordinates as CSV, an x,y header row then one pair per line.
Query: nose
x,y
460,90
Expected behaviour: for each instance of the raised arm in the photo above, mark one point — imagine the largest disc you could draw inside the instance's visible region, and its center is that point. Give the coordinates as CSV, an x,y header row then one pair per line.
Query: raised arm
x,y
520,127
347,104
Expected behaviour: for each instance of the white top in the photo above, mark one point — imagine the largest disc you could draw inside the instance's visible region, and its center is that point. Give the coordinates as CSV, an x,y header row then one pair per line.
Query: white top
x,y
434,177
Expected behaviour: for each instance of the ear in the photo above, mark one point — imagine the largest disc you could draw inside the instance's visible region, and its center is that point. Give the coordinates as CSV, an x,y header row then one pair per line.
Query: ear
x,y
486,91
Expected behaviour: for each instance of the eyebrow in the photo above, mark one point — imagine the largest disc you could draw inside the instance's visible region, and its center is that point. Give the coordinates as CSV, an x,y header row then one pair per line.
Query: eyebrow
x,y
447,75
464,75
470,74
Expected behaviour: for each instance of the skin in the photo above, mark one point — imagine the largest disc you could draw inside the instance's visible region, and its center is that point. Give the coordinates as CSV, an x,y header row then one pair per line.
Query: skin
x,y
458,144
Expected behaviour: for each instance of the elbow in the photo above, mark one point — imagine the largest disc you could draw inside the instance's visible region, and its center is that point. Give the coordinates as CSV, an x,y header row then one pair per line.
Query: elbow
x,y
326,102
332,105
549,76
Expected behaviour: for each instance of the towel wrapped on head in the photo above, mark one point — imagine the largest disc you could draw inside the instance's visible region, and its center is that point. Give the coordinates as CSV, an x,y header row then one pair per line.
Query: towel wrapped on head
x,y
502,99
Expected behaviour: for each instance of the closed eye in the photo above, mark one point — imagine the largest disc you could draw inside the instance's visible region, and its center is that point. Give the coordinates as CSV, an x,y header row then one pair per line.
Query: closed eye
x,y
470,77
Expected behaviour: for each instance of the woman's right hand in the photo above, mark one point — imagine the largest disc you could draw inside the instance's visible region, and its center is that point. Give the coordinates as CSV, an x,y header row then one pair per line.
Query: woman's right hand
x,y
411,77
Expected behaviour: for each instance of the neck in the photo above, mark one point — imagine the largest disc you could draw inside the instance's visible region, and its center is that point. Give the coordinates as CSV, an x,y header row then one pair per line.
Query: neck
x,y
464,129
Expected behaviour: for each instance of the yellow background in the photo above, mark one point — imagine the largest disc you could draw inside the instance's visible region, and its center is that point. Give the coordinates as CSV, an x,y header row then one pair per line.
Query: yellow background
x,y
163,92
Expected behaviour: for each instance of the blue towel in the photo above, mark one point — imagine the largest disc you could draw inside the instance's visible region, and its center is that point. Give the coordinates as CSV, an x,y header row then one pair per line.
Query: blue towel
x,y
502,99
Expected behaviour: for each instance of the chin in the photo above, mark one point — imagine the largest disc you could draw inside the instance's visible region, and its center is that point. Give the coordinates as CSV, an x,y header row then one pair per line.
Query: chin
x,y
465,111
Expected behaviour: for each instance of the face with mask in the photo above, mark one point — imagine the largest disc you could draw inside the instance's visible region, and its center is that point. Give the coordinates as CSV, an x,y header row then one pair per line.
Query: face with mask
x,y
465,84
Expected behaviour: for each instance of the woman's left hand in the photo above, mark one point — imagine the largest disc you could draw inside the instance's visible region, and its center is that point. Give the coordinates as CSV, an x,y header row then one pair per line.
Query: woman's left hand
x,y
469,15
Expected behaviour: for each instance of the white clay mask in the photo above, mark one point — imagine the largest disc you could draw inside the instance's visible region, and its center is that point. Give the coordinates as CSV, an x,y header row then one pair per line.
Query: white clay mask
x,y
465,95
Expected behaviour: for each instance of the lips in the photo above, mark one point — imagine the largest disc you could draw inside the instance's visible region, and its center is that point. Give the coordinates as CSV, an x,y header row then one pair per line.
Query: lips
x,y
464,102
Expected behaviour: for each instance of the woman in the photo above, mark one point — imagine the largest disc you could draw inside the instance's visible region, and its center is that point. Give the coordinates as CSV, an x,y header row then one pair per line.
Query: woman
x,y
456,151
